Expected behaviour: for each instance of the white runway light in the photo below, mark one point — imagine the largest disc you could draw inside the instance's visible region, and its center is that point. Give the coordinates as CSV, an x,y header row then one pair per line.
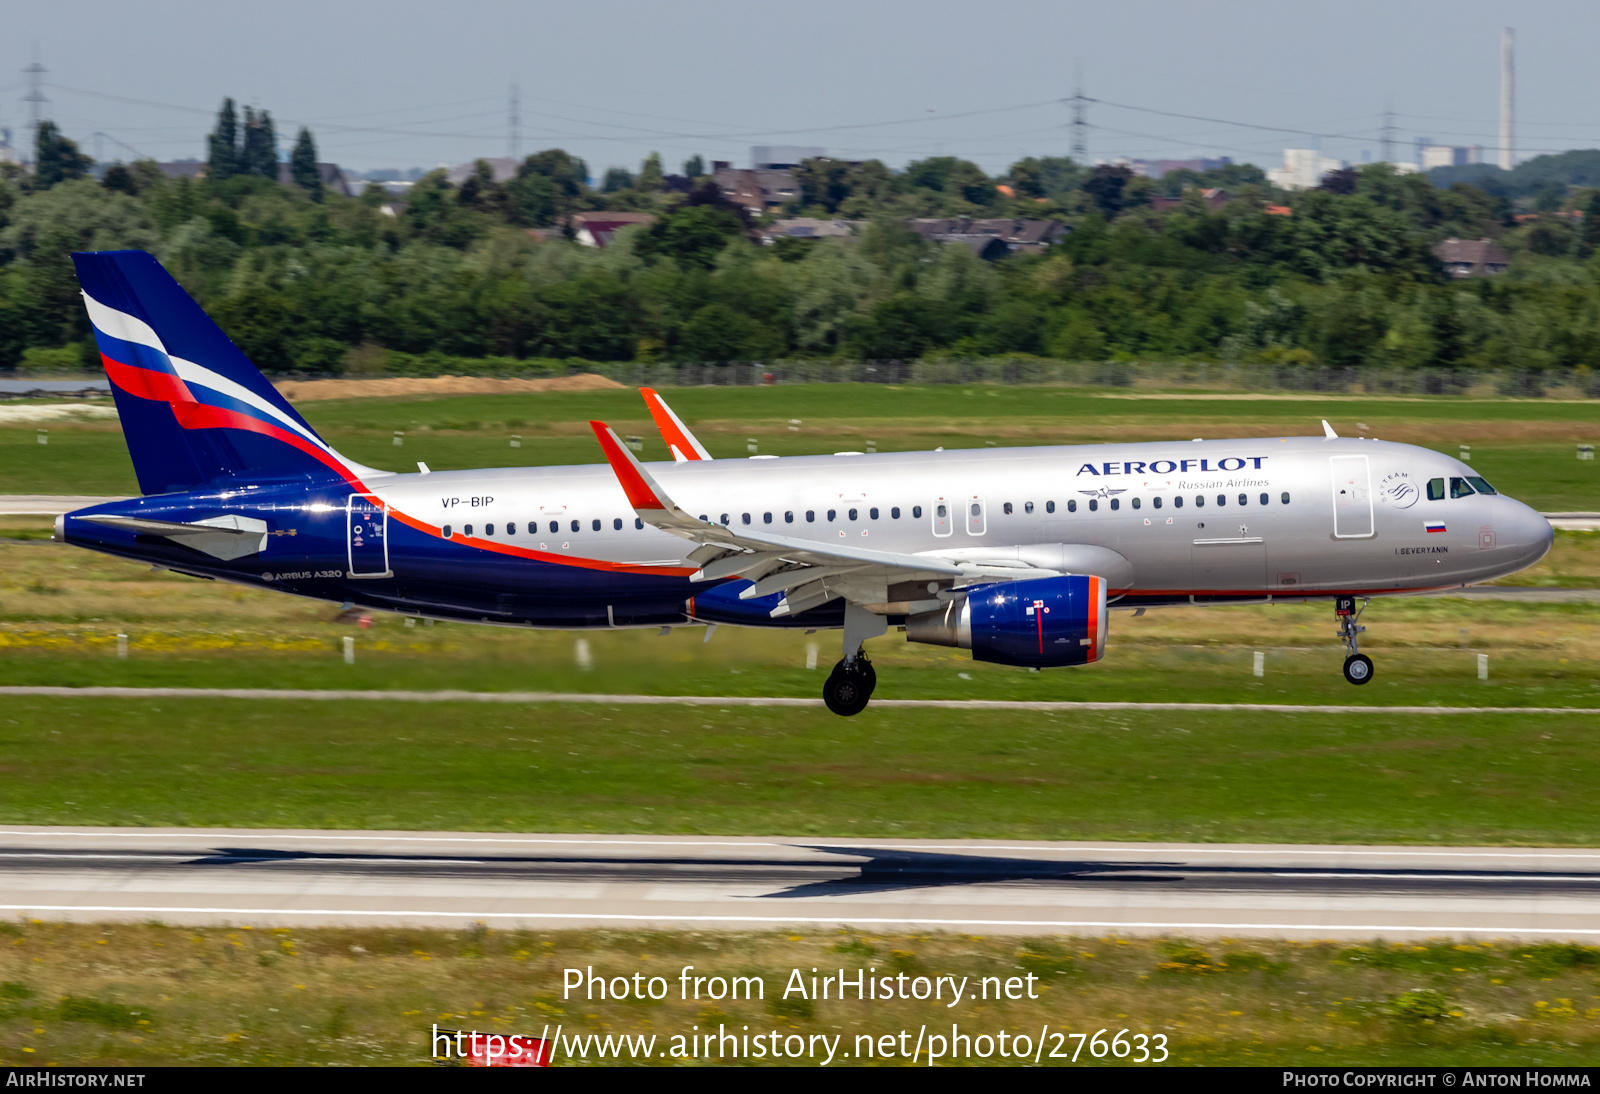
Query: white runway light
x,y
585,658
811,655
349,650
1259,668
1483,666
122,646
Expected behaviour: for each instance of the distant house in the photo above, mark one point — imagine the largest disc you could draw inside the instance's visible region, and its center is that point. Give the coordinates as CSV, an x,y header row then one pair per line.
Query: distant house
x,y
1472,257
809,228
757,188
1214,197
1018,235
598,229
183,169
502,168
333,178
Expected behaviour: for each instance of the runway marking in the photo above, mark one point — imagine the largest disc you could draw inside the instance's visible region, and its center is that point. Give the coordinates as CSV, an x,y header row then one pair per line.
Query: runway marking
x,y
807,843
919,921
736,700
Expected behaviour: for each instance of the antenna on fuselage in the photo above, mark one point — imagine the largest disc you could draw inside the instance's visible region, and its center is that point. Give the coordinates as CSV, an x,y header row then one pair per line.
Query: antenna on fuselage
x,y
1327,430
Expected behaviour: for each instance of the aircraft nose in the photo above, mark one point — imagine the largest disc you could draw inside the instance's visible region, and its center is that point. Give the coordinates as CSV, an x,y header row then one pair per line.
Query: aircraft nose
x,y
1533,532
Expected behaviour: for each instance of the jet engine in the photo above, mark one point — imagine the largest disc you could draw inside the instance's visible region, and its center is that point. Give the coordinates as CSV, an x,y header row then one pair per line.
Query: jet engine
x,y
1042,623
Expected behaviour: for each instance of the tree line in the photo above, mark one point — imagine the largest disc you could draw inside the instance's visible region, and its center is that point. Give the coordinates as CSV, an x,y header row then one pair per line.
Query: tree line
x,y
307,280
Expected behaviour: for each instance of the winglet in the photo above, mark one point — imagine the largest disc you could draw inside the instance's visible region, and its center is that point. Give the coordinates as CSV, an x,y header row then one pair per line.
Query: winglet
x,y
683,444
636,482
1327,430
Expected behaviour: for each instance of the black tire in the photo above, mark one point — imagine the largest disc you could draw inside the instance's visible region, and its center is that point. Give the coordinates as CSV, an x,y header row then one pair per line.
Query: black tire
x,y
1358,668
846,693
869,675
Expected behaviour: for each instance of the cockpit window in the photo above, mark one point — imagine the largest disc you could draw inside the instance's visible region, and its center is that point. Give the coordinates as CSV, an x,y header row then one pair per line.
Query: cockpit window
x,y
1482,487
1435,489
1459,488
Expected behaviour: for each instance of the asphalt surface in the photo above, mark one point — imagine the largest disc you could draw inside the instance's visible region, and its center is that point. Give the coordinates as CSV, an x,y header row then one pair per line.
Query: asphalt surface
x,y
305,878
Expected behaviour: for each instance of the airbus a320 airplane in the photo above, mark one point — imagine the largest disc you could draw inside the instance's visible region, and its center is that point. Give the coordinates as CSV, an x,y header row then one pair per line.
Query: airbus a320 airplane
x,y
1015,554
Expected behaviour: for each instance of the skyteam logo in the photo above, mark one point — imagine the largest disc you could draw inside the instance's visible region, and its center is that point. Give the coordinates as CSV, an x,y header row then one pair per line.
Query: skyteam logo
x,y
1166,467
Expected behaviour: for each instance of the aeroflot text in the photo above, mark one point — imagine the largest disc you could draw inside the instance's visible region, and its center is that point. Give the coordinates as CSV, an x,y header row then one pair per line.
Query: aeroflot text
x,y
1429,1079
1166,467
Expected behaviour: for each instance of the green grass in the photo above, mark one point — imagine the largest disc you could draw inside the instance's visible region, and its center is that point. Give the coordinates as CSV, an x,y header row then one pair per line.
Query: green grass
x,y
1525,446
1125,775
141,995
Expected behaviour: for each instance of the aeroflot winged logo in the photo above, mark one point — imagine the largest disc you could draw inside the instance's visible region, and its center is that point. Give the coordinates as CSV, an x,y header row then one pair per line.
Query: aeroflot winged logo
x,y
1163,467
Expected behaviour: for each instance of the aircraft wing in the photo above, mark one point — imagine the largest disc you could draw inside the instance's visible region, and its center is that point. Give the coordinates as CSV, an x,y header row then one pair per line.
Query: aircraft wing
x,y
683,445
807,572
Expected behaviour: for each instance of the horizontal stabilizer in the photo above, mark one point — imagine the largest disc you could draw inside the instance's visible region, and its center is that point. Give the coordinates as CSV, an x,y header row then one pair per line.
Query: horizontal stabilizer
x,y
226,537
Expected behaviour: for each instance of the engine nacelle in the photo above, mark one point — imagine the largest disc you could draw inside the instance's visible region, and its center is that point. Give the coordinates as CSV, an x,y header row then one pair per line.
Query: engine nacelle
x,y
1043,623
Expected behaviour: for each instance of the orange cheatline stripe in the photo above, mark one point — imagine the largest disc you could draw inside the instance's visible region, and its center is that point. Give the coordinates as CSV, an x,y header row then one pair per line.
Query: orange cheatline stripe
x,y
640,496
671,431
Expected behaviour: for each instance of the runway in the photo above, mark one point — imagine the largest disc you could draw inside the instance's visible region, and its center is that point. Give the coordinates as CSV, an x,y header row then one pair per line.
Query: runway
x,y
321,878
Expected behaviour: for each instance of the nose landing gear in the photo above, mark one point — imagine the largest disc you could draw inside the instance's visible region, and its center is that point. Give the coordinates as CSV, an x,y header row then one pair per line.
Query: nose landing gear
x,y
1357,666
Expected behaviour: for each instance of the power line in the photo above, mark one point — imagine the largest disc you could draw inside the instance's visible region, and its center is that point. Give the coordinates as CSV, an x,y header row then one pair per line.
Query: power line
x,y
514,124
1226,121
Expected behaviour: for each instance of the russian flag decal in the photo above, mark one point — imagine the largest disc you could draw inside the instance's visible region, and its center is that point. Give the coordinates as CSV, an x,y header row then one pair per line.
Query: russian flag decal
x,y
1433,525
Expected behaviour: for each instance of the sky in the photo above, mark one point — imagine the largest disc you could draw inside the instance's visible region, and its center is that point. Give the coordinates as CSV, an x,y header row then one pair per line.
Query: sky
x,y
424,83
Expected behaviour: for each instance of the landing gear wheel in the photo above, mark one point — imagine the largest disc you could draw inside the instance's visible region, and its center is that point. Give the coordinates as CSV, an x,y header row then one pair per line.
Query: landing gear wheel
x,y
846,693
1358,668
869,675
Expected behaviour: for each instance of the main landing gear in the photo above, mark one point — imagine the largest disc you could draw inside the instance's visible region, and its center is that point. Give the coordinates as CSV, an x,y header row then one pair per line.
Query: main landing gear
x,y
1357,666
852,680
850,686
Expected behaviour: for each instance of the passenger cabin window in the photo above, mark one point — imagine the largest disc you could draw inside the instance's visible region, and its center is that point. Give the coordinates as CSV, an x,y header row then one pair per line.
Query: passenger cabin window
x,y
1072,505
447,531
616,524
1049,507
853,514
595,524
1006,508
488,529
576,526
466,529
811,516
1177,503
916,512
1481,486
744,518
788,518
511,527
873,512
1136,503
638,522
1460,488
766,518
1200,501
555,526
724,519
1266,499
1222,499
941,519
1155,503
894,513
1286,497
1435,489
1116,503
1094,505
1244,499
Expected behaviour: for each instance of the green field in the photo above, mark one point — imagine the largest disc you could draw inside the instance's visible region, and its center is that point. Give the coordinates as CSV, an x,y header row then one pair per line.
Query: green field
x,y
140,995
1526,446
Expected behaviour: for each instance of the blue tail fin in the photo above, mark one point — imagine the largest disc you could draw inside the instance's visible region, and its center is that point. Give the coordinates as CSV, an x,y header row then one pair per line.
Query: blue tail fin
x,y
193,407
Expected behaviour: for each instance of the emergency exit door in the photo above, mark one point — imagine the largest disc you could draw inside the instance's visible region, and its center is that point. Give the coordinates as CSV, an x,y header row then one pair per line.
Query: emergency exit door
x,y
367,536
1352,497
